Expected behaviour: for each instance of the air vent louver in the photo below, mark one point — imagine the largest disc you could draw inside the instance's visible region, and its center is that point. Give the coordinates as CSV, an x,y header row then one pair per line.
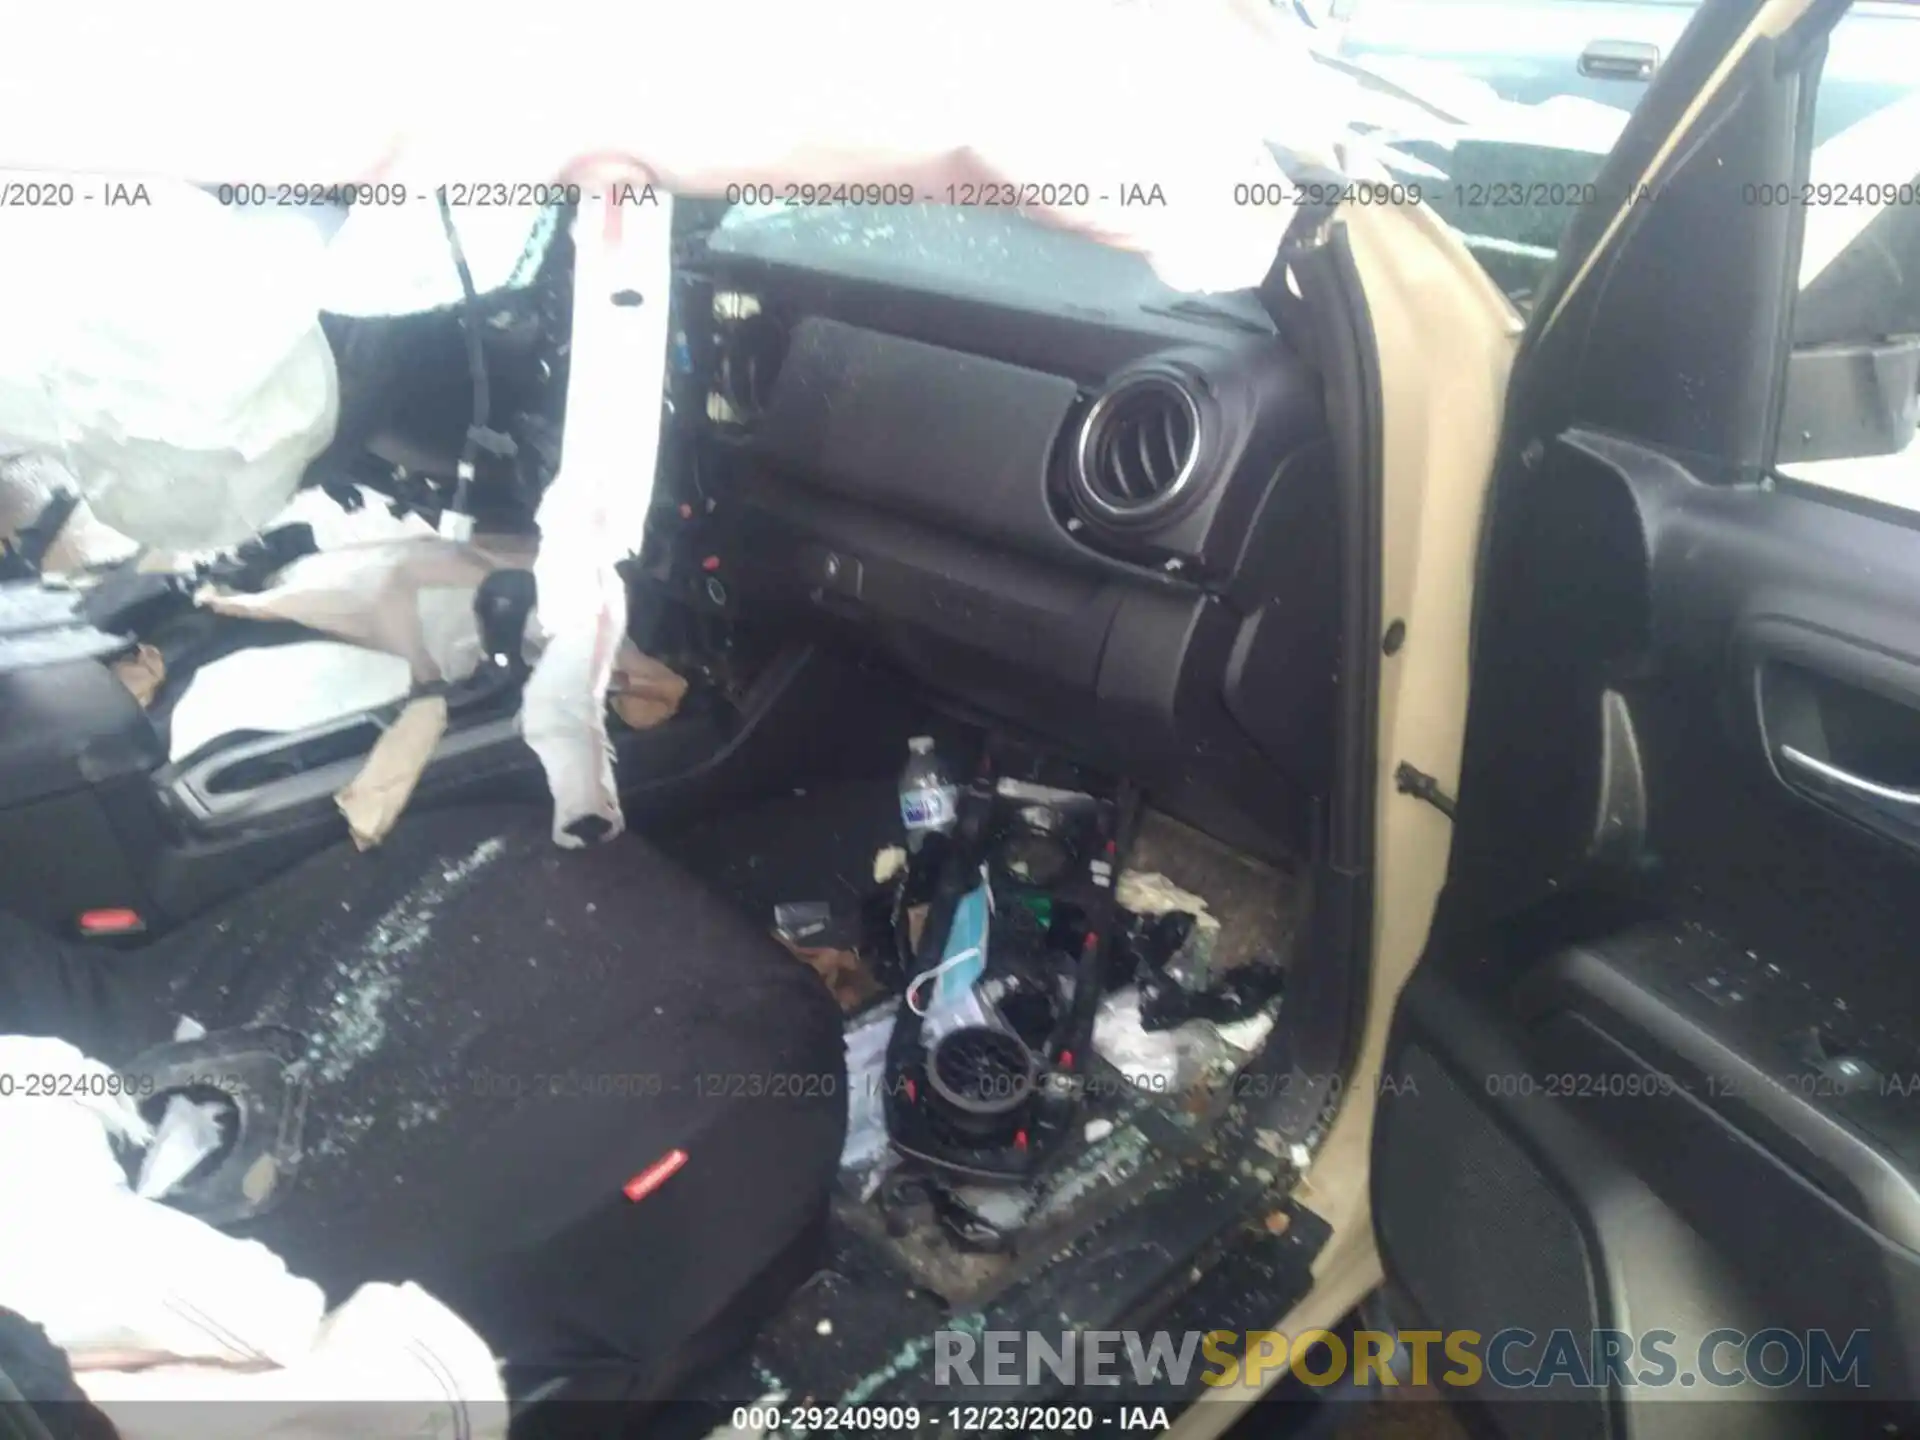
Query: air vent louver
x,y
1138,448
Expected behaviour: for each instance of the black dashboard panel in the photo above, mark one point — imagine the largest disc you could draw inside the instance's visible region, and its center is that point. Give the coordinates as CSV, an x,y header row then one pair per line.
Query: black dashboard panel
x,y
921,429
900,446
861,563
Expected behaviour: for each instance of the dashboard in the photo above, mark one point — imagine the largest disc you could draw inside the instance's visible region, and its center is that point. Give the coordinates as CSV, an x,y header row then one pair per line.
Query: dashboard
x,y
1054,491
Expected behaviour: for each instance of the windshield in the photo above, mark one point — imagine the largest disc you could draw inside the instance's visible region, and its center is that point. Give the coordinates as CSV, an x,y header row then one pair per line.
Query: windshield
x,y
986,252
1505,173
1478,117
1511,106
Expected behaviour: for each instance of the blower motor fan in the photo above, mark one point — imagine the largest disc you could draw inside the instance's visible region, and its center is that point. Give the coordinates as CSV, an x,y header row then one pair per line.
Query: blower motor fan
x,y
984,1079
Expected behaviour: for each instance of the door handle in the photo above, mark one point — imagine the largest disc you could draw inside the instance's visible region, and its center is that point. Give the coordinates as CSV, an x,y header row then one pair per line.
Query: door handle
x,y
1848,782
1619,60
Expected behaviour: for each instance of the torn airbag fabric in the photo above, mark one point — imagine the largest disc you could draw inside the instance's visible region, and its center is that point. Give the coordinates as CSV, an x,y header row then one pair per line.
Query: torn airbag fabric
x,y
169,354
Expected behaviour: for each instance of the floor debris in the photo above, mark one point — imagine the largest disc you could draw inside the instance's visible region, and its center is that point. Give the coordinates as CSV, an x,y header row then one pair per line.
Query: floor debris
x,y
189,1131
1258,905
845,974
1229,996
1171,1062
1126,1153
1147,892
644,693
143,673
888,862
866,1045
906,1358
802,922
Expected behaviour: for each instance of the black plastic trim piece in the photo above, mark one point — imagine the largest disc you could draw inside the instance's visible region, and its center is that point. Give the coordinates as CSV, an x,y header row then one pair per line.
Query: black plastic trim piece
x,y
1422,786
1783,1112
1846,402
1320,1027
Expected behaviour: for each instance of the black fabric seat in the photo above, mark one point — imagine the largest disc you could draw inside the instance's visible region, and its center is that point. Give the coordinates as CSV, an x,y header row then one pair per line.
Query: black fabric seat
x,y
502,1037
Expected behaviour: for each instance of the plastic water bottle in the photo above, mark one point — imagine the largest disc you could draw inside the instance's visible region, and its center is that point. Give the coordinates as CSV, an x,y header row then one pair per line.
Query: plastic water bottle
x,y
929,800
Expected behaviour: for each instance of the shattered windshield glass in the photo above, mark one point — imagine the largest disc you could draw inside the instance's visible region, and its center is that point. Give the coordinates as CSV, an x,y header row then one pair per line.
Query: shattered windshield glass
x,y
986,252
1506,175
1507,166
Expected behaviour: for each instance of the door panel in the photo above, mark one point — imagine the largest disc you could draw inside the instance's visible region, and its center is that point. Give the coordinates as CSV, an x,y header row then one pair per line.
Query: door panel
x,y
1658,1075
1659,1069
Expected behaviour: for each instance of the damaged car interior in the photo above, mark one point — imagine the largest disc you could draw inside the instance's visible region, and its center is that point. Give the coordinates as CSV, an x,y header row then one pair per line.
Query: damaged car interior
x,y
964,829
1048,532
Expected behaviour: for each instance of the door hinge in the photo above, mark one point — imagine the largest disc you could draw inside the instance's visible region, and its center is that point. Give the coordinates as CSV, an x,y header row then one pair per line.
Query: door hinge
x,y
1422,786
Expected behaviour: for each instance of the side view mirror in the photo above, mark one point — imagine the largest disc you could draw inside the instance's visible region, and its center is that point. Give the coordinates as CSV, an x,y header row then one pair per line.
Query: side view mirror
x,y
1850,400
1870,287
1853,379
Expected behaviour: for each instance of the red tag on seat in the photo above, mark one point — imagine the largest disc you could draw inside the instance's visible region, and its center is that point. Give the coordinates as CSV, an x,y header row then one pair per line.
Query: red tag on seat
x,y
113,921
655,1175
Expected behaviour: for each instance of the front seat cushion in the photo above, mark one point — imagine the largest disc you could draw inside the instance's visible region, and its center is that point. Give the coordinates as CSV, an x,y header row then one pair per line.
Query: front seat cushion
x,y
572,1094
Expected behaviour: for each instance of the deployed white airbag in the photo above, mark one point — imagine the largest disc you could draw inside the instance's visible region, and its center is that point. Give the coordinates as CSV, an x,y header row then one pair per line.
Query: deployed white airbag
x,y
151,1304
594,512
174,362
169,353
394,260
410,597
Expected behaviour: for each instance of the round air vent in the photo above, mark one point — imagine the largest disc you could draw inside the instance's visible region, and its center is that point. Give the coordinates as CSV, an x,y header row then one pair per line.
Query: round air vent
x,y
1139,447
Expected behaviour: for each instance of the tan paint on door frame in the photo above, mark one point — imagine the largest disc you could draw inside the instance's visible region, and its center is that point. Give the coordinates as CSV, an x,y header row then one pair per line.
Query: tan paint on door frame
x,y
1445,338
